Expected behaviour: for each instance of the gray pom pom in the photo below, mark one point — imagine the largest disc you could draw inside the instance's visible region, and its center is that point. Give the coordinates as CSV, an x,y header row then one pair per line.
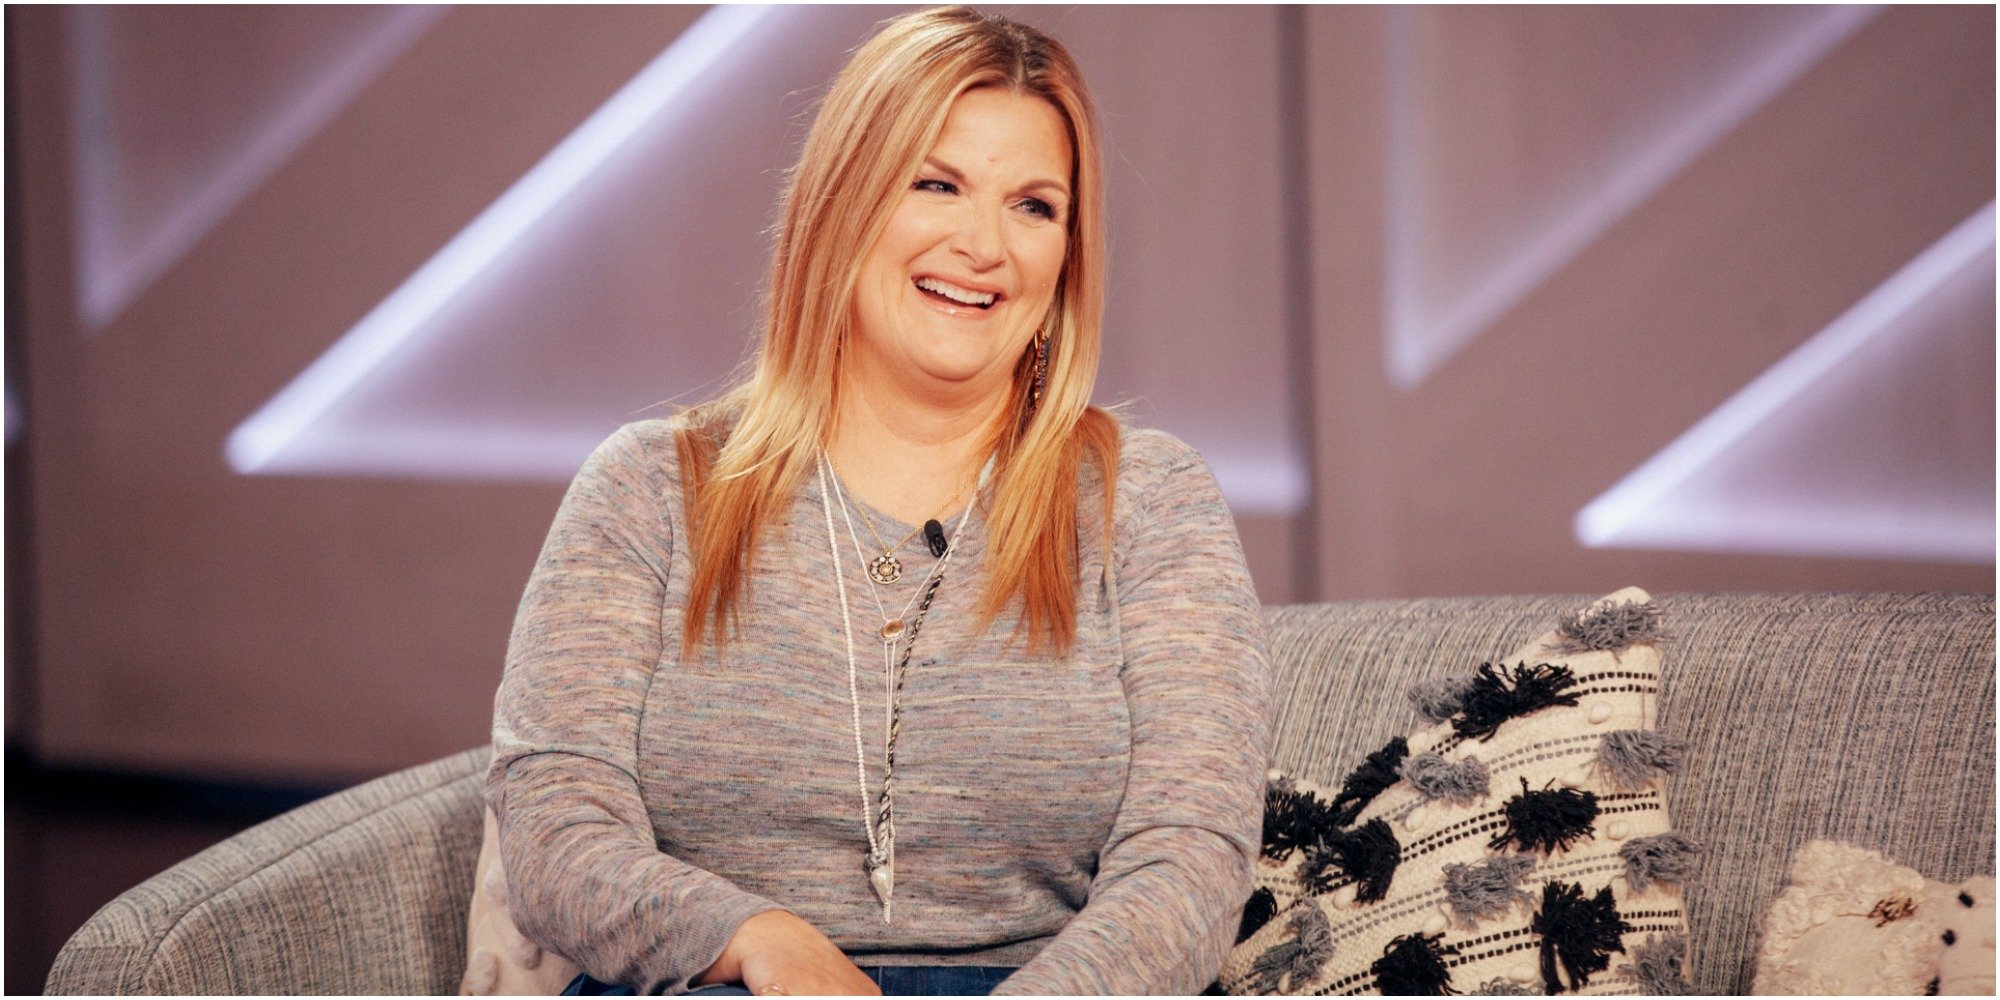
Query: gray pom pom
x,y
1629,758
1434,777
1439,698
1507,988
1487,888
1667,857
1613,626
1298,959
1656,966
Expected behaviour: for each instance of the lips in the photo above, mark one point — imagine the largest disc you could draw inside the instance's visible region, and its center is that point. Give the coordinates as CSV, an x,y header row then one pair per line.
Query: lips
x,y
956,294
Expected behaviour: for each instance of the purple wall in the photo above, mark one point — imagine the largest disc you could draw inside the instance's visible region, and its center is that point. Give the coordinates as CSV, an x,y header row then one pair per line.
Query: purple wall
x,y
315,309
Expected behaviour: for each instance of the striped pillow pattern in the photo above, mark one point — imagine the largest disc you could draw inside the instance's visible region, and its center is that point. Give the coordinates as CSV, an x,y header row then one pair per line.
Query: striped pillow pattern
x,y
1521,845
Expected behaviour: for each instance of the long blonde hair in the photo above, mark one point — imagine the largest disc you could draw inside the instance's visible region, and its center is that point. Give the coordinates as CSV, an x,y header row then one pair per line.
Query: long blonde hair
x,y
744,454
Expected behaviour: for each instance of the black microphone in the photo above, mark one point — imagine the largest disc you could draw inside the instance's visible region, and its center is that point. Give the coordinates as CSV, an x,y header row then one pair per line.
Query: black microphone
x,y
934,536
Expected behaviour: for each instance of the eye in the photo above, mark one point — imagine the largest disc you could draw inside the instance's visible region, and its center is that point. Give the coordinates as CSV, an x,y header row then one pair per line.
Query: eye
x,y
1039,208
935,186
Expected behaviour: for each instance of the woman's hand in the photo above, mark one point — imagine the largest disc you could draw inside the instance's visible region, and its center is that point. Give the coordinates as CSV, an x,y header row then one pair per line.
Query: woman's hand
x,y
777,952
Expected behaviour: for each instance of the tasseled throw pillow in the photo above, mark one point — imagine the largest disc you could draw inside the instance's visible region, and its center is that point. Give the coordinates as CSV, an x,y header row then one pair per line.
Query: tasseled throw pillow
x,y
1519,846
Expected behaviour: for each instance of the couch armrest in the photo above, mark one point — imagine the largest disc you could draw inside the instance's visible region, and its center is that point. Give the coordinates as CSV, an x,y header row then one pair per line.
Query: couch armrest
x,y
360,892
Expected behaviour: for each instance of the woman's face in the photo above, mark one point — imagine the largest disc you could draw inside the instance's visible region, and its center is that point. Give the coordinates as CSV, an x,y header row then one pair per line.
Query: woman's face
x,y
962,278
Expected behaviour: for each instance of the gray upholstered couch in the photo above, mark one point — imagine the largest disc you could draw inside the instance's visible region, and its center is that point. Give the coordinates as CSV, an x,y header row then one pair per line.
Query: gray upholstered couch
x,y
1865,717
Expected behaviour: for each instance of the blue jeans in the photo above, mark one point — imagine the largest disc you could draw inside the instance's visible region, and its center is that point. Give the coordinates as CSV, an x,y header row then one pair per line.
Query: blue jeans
x,y
895,980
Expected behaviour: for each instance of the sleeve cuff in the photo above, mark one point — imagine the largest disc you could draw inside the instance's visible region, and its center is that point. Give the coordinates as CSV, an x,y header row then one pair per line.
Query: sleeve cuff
x,y
716,910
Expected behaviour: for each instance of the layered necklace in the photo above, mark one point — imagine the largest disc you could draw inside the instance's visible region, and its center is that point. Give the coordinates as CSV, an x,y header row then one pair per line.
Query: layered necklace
x,y
898,635
886,569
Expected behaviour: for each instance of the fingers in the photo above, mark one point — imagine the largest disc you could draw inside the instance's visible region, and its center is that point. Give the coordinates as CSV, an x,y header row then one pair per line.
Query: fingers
x,y
782,955
819,982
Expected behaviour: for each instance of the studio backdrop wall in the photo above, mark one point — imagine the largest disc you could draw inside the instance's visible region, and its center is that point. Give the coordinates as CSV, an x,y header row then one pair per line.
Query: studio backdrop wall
x,y
313,312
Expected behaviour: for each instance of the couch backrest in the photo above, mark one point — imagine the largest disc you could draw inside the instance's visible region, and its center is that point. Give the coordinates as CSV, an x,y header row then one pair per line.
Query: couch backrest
x,y
1867,718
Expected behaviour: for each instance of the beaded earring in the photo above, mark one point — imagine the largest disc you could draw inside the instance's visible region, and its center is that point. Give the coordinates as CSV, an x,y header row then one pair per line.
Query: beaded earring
x,y
1041,371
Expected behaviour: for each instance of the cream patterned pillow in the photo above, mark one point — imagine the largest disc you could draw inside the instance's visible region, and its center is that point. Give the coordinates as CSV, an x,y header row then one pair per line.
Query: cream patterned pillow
x,y
1519,846
500,960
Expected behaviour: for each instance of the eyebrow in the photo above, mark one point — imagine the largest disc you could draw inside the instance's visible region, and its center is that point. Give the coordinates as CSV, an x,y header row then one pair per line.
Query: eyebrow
x,y
957,175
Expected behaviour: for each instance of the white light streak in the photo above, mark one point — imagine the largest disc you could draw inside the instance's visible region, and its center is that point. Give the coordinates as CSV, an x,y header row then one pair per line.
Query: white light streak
x,y
112,274
1621,516
1418,338
259,442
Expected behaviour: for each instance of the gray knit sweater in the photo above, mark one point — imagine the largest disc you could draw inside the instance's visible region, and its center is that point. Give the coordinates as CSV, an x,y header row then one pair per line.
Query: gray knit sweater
x,y
1093,820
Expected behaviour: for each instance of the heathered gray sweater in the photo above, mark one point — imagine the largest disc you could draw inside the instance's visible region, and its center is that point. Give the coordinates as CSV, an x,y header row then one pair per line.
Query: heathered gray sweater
x,y
1094,820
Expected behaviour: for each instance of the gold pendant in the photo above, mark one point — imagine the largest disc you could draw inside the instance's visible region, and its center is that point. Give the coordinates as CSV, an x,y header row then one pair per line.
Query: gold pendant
x,y
885,569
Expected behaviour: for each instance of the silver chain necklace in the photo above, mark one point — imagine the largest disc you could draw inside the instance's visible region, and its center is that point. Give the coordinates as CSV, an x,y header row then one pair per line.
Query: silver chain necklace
x,y
892,627
879,823
884,569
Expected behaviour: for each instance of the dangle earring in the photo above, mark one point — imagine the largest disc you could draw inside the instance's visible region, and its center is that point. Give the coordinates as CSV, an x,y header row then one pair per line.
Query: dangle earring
x,y
1041,370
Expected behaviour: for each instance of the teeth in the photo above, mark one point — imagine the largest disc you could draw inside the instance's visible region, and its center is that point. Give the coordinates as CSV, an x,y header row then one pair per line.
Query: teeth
x,y
957,294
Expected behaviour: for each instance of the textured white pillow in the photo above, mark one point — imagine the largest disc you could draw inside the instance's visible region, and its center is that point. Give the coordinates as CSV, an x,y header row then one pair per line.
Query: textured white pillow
x,y
1520,846
500,960
1853,922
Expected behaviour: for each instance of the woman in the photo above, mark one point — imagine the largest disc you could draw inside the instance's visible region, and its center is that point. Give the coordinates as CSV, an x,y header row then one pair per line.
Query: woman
x,y
900,656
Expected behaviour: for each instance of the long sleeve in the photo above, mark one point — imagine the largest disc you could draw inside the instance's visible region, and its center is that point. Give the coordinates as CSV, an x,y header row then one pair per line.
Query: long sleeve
x,y
1172,879
585,875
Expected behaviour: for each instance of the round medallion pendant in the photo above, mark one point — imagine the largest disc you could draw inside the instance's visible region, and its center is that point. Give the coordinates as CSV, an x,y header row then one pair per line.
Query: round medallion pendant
x,y
892,630
885,569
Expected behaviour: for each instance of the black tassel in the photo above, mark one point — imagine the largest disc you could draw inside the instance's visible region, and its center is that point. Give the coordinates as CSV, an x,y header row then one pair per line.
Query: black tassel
x,y
1376,773
1578,934
1547,821
1413,966
1367,855
1292,819
1501,693
1256,913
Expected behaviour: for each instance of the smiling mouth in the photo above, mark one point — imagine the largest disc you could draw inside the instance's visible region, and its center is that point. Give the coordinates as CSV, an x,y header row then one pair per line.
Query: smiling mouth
x,y
945,291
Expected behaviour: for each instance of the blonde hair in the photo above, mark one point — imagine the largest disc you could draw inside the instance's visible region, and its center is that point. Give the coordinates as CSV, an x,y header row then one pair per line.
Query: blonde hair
x,y
744,454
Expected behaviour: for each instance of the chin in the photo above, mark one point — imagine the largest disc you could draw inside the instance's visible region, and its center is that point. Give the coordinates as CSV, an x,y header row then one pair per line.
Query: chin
x,y
960,372
953,378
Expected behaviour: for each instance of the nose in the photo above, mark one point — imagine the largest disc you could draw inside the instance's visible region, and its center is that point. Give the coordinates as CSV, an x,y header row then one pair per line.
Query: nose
x,y
979,239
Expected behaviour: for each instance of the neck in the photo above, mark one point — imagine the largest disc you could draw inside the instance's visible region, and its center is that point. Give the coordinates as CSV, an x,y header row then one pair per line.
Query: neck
x,y
912,458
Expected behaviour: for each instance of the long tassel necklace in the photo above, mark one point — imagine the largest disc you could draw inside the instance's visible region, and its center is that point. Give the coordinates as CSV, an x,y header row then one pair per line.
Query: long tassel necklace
x,y
878,821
